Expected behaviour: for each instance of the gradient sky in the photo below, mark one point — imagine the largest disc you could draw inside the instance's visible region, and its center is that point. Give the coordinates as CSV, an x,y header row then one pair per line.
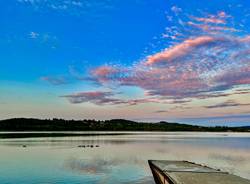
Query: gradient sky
x,y
185,61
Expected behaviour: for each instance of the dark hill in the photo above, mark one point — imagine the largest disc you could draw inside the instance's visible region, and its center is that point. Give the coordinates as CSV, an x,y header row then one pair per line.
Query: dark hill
x,y
29,124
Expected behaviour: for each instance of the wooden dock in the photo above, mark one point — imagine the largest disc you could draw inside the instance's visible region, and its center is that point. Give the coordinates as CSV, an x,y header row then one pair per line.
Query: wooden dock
x,y
184,172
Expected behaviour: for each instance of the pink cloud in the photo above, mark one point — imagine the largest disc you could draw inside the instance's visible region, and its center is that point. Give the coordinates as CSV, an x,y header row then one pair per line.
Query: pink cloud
x,y
106,74
180,49
222,14
200,68
245,39
209,20
104,71
220,18
240,76
211,28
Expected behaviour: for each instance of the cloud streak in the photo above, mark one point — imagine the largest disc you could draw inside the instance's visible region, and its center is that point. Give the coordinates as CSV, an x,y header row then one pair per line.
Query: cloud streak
x,y
72,7
107,98
229,103
54,80
95,97
181,49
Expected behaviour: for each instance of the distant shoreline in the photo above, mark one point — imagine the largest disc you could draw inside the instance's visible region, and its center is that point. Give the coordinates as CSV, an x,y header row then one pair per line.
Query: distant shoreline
x,y
43,125
20,135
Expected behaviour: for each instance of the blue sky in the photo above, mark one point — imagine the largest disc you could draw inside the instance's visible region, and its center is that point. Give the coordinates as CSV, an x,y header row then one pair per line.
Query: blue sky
x,y
183,61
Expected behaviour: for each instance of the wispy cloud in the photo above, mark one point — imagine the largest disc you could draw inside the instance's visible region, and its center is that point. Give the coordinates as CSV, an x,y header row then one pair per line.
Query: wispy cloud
x,y
181,49
161,111
212,28
44,38
54,80
73,7
220,18
176,9
229,103
96,97
106,98
228,120
223,94
33,35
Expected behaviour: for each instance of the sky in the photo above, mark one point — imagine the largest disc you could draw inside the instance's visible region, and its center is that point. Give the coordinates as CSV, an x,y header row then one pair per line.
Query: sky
x,y
172,60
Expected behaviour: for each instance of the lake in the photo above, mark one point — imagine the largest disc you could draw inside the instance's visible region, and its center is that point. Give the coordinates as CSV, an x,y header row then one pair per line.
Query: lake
x,y
120,158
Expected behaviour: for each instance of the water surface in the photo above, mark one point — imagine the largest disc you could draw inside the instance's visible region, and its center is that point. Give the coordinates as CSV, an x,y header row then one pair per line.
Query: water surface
x,y
119,158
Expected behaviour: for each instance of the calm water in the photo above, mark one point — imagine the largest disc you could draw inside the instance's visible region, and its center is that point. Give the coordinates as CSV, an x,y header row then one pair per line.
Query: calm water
x,y
119,158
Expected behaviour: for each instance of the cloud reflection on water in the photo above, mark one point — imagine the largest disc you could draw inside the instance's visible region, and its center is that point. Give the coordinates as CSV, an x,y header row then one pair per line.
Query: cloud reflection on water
x,y
109,170
96,167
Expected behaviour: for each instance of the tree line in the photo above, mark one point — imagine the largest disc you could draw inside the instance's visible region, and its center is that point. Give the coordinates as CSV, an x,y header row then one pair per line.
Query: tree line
x,y
30,124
